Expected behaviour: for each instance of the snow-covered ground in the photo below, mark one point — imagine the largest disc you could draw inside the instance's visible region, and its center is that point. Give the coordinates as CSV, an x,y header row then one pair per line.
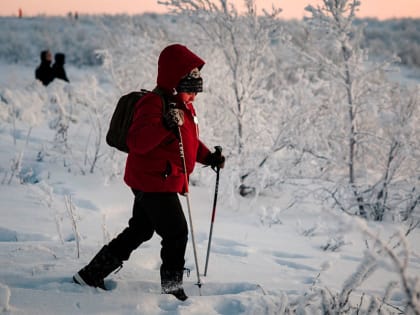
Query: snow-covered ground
x,y
265,258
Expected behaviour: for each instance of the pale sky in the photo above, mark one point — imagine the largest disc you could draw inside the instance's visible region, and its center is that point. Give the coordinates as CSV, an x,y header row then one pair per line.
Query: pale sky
x,y
381,9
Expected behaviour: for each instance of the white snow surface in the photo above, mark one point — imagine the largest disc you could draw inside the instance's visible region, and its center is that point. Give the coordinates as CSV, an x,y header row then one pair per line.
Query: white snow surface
x,y
264,256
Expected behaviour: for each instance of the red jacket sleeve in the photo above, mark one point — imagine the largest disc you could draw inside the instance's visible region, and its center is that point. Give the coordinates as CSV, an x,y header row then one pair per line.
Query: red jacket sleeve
x,y
202,153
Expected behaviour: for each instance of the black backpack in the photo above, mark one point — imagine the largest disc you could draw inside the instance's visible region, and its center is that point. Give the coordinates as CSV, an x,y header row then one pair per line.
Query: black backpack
x,y
123,115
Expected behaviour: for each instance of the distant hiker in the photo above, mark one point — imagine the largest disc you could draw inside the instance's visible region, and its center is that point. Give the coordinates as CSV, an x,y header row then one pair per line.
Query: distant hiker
x,y
20,13
154,172
44,72
58,67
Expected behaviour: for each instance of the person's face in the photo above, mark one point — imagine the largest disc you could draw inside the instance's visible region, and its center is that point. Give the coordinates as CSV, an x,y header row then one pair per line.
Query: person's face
x,y
48,56
187,97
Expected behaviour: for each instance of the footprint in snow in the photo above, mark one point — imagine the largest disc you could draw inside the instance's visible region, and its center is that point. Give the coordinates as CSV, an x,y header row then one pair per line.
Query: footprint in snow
x,y
229,247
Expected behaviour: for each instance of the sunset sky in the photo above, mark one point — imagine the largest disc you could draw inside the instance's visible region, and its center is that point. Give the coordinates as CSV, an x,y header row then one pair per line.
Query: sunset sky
x,y
381,9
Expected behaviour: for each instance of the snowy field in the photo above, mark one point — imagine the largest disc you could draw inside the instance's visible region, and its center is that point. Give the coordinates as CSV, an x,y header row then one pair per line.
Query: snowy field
x,y
283,250
266,258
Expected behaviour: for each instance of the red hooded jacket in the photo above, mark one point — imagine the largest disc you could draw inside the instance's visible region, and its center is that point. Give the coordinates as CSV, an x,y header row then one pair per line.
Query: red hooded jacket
x,y
154,162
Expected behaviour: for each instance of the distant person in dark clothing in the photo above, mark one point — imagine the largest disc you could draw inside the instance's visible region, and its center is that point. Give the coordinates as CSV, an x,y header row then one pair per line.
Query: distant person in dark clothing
x,y
44,72
58,67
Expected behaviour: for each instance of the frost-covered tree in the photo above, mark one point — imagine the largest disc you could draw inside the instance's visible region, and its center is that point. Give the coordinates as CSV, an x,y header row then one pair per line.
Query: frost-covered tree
x,y
365,133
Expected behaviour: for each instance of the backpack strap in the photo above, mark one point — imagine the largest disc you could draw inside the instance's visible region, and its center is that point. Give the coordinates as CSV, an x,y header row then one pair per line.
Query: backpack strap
x,y
164,97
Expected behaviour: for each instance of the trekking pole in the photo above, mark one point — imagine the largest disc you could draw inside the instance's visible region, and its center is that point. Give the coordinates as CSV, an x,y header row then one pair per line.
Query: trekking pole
x,y
216,189
184,167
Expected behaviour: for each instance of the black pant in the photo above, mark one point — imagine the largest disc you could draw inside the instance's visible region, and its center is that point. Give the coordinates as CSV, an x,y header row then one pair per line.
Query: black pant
x,y
160,212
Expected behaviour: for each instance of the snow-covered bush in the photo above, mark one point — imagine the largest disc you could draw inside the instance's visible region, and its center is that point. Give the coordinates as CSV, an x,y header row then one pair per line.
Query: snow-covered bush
x,y
373,163
21,110
399,296
393,37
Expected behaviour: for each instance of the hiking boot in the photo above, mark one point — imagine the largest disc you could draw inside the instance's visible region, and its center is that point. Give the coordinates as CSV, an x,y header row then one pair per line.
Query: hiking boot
x,y
171,282
94,273
179,293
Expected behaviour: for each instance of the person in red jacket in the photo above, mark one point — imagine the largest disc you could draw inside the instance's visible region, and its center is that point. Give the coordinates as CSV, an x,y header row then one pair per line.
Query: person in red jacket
x,y
154,172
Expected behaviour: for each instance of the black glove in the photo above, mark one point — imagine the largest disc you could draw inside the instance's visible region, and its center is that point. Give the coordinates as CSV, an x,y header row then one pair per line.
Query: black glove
x,y
173,118
216,159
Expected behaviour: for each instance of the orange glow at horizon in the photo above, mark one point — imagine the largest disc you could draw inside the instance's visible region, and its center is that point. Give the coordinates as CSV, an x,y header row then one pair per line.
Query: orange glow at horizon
x,y
381,9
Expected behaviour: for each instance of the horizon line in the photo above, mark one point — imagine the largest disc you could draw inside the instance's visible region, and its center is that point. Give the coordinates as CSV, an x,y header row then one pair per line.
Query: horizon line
x,y
71,13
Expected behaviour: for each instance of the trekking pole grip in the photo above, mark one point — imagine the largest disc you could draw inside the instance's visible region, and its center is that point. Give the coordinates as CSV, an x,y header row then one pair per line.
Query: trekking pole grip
x,y
218,152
